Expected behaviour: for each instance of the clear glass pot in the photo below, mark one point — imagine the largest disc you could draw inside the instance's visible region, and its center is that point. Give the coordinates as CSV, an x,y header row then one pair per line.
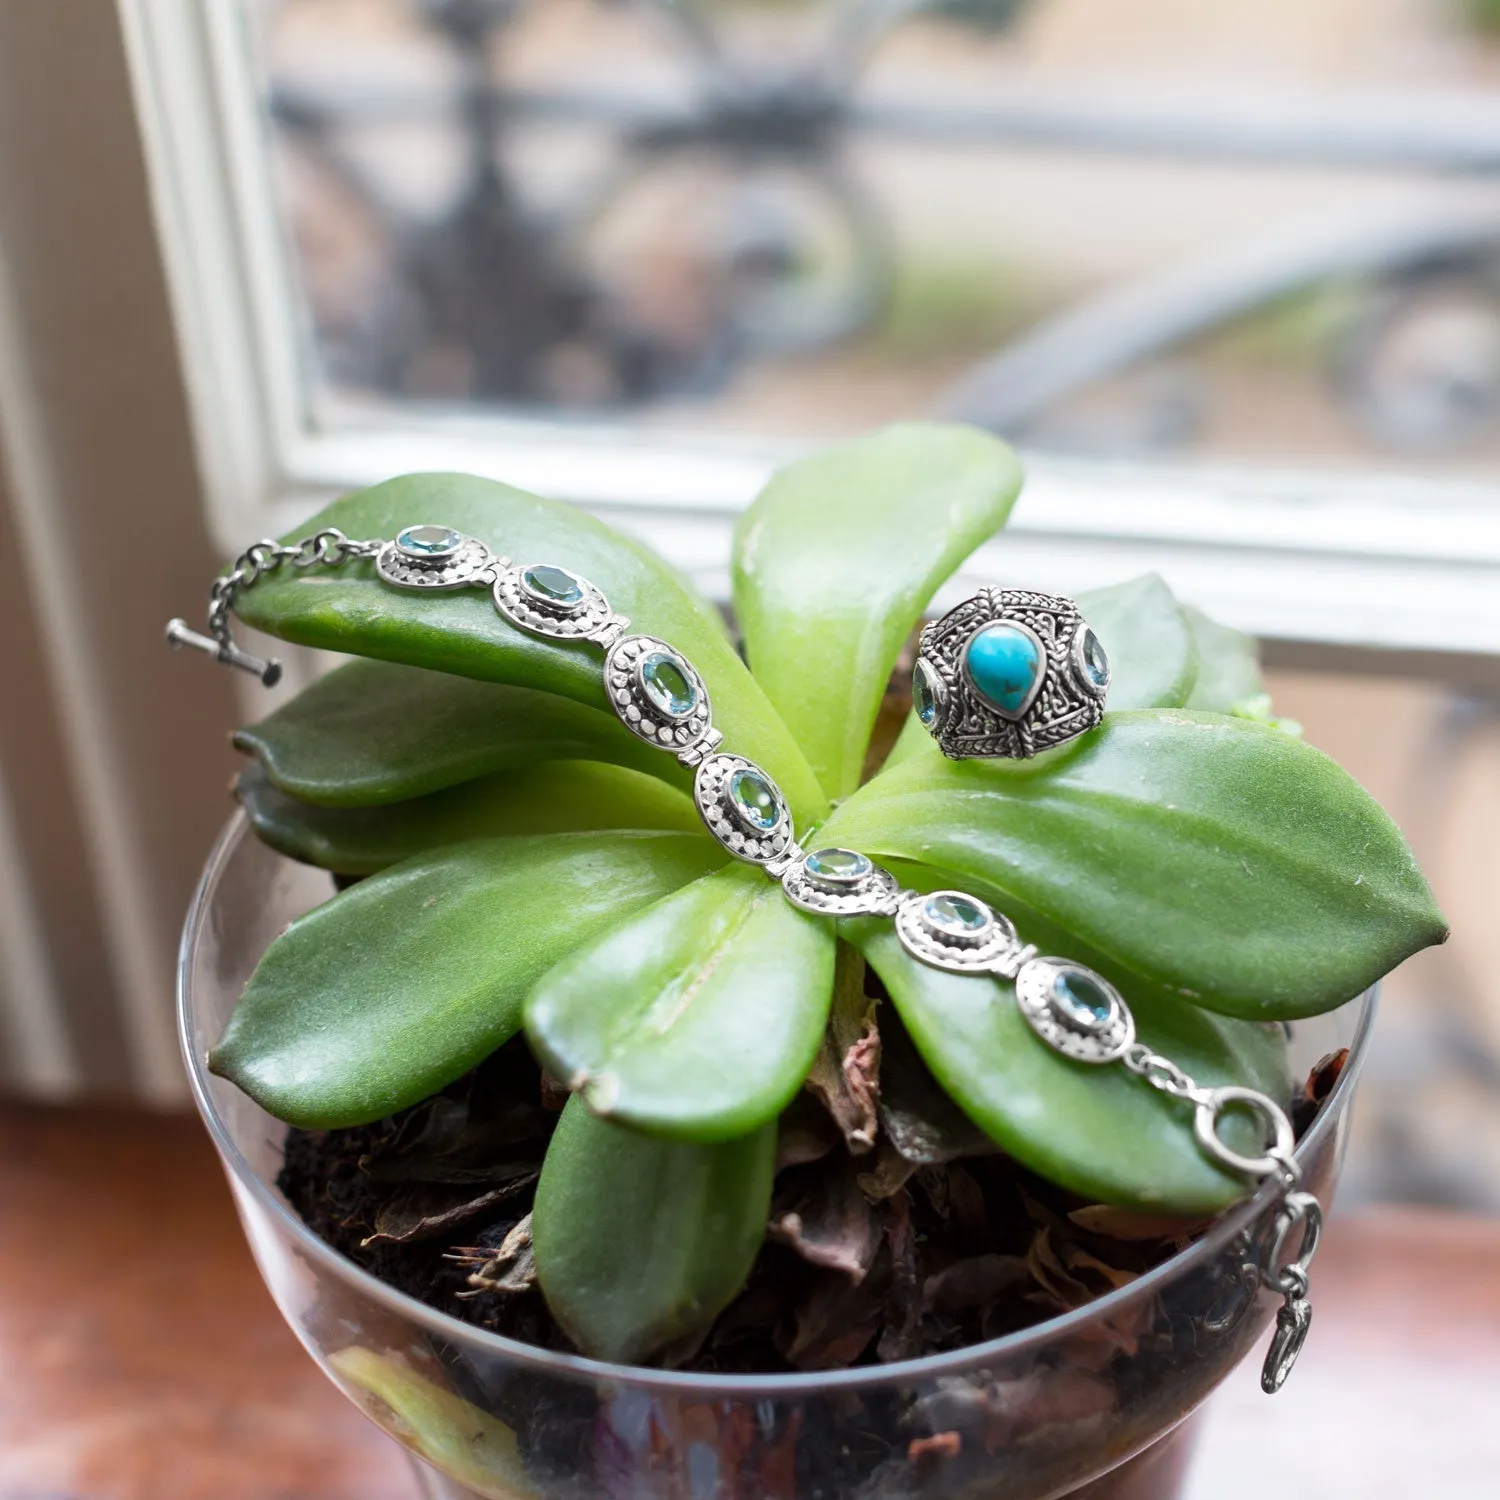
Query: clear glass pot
x,y
1090,1404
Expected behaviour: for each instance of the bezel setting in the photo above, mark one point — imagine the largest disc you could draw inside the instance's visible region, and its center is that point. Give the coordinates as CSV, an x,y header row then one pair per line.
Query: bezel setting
x,y
774,846
1099,1042
937,691
588,619
465,565
1037,682
993,949
875,893
1080,665
641,714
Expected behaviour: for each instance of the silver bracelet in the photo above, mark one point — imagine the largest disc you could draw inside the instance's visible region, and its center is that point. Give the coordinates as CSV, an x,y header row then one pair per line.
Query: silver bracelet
x,y
659,696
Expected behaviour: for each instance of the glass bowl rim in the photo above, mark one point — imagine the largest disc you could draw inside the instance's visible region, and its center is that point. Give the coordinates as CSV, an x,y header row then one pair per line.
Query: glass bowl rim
x,y
580,1367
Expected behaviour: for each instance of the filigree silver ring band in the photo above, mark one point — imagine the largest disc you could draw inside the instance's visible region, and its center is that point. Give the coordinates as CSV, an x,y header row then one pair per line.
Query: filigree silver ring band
x,y
1006,673
1009,673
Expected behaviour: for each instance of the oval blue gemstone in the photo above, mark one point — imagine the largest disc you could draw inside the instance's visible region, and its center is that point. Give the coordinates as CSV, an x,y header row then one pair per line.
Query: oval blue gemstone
x,y
1004,664
668,685
837,866
1082,998
755,800
953,912
556,585
428,541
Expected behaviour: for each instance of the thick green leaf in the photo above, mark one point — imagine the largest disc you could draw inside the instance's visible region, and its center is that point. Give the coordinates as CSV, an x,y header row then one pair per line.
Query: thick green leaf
x,y
1098,1131
640,1241
465,1443
565,796
401,983
348,610
913,740
1222,859
1152,653
1228,664
370,732
835,561
698,1017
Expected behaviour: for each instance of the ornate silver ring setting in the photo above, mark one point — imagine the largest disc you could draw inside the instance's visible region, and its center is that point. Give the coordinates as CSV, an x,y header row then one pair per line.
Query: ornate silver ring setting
x,y
1009,673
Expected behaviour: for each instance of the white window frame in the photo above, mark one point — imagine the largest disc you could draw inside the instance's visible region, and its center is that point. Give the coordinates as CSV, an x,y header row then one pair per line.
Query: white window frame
x,y
1373,572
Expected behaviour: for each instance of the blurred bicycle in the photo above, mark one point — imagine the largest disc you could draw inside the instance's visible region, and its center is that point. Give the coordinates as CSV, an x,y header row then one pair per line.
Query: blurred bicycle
x,y
724,229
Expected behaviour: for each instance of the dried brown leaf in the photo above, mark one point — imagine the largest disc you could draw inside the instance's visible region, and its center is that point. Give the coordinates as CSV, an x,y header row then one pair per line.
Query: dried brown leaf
x,y
901,1337
832,1324
424,1211
1057,1285
846,1075
939,1445
888,1173
805,1133
1132,1225
974,1283
918,1117
509,1270
1079,1261
829,1222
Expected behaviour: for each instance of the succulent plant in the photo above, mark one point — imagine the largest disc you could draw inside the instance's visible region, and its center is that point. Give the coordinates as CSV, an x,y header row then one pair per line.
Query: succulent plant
x,y
531,866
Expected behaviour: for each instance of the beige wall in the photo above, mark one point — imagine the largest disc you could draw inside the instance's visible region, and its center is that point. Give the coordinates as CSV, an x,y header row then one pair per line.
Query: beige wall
x,y
112,754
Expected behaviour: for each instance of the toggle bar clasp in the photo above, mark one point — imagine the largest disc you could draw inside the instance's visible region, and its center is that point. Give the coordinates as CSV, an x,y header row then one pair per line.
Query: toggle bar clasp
x,y
179,634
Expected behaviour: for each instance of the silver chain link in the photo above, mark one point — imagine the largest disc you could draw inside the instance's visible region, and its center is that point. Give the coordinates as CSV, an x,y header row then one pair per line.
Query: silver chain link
x,y
328,548
1162,1073
1287,1277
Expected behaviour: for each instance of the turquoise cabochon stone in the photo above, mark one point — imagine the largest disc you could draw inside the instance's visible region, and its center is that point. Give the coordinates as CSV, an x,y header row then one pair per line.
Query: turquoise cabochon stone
x,y
1004,663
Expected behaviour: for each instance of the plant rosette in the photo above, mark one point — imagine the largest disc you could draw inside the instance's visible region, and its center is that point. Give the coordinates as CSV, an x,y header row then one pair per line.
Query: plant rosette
x,y
613,1171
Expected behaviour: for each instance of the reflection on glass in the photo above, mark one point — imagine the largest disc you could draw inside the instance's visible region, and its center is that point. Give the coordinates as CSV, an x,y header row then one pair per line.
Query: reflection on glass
x,y
1249,228
1026,1416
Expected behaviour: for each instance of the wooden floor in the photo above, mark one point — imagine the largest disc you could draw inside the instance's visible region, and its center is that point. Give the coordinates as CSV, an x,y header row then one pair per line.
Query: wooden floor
x,y
140,1358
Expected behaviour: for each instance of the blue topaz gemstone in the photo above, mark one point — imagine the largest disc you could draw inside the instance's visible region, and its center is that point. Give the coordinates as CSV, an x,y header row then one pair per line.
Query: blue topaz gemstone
x,y
837,868
667,684
756,803
1005,665
429,543
1094,660
1082,999
955,915
553,585
928,692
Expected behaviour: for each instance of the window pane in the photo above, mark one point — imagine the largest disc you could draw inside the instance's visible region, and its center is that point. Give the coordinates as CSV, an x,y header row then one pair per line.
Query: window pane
x,y
1252,229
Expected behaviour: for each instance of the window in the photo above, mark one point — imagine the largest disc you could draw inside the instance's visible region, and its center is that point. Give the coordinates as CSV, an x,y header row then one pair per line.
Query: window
x,y
1227,272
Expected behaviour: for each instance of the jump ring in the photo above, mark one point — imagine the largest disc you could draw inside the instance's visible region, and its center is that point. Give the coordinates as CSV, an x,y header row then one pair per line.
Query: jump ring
x,y
1291,1279
1212,1107
332,546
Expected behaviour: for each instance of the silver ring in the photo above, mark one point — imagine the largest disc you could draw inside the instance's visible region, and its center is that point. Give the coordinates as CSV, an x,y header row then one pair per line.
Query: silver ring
x,y
1009,673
